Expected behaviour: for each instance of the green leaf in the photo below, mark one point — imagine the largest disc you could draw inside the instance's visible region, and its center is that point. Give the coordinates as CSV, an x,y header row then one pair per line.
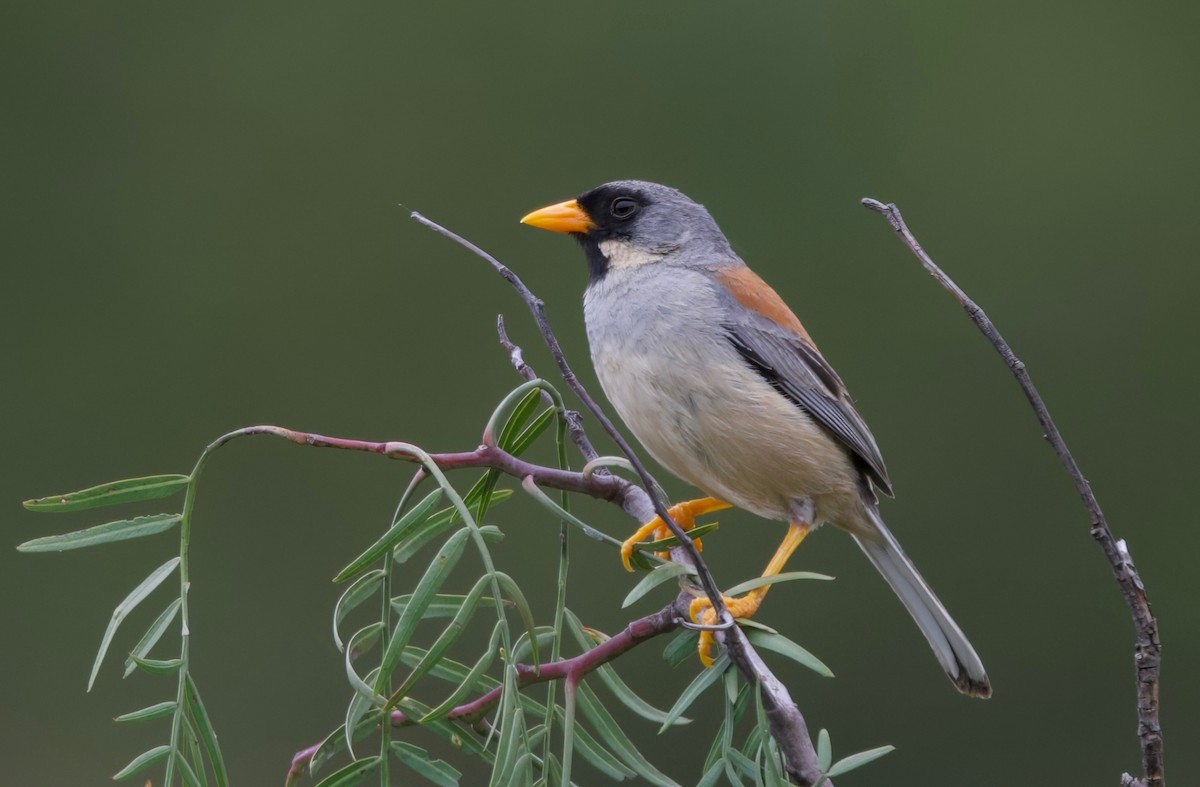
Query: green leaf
x,y
442,644
208,735
594,752
681,647
148,713
335,741
706,678
709,779
142,761
468,682
664,544
158,666
113,493
532,432
510,589
353,773
359,591
609,731
415,517
445,519
847,764
659,575
437,771
758,582
135,597
123,530
152,635
362,703
824,750
780,644
628,697
444,605
549,503
452,732
520,415
435,574
362,687
188,775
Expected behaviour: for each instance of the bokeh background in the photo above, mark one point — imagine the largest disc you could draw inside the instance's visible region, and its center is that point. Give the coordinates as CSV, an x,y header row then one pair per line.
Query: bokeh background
x,y
201,231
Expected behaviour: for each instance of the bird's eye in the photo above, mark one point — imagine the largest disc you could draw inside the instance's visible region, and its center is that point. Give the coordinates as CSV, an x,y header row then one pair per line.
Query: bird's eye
x,y
623,207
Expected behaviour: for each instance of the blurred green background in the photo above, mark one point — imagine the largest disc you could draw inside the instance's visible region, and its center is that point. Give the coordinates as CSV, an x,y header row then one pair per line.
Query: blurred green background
x,y
201,231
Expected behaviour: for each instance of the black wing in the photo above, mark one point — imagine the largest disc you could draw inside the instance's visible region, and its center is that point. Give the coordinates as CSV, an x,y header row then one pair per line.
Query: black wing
x,y
797,371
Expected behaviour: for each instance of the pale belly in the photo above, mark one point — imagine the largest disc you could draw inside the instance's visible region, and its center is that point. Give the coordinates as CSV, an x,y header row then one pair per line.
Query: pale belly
x,y
727,431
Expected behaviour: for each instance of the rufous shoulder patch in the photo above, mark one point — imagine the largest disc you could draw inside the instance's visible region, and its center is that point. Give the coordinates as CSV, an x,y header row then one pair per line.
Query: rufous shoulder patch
x,y
748,289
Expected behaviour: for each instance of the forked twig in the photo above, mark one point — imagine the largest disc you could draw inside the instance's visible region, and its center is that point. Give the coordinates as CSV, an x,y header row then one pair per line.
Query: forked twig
x,y
1148,650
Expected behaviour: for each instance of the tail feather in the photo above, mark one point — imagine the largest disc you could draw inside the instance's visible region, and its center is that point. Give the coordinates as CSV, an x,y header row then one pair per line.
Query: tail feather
x,y
949,644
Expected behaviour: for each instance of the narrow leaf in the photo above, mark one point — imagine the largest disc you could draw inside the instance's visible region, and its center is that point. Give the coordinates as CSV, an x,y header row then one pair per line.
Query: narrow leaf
x,y
445,519
353,773
359,591
142,761
706,678
444,605
152,635
609,731
758,582
435,574
122,530
594,752
780,644
510,589
208,735
663,544
415,517
549,503
443,643
679,649
659,575
129,490
848,764
135,597
437,771
361,704
157,666
468,682
628,697
150,712
824,750
532,432
520,415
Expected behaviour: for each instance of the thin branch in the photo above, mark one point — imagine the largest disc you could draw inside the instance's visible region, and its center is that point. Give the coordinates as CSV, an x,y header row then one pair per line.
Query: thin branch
x,y
1148,650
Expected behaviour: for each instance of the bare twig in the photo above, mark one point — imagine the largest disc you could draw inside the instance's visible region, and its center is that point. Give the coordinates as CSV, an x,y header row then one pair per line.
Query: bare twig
x,y
786,722
1148,650
574,420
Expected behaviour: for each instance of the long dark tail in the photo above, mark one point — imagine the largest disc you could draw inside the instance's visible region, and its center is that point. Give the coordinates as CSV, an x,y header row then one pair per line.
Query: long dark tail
x,y
949,644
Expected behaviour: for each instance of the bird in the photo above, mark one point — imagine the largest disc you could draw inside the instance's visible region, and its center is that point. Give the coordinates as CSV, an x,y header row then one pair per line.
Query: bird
x,y
720,382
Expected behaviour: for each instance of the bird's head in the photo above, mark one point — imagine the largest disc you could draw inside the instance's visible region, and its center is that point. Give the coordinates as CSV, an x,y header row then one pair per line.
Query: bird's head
x,y
629,223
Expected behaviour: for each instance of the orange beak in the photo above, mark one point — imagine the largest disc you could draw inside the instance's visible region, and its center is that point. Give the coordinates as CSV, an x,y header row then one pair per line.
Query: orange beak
x,y
563,217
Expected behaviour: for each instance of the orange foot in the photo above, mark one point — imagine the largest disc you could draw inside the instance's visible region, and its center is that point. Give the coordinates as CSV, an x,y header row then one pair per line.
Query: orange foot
x,y
684,515
701,611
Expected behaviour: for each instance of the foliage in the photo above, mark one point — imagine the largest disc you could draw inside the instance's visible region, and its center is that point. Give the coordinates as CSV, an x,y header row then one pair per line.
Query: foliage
x,y
495,707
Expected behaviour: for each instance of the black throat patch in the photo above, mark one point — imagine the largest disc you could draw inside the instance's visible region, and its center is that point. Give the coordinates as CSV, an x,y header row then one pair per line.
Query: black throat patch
x,y
597,263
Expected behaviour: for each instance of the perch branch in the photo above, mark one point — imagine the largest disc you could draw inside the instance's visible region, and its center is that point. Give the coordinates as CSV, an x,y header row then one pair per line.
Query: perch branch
x,y
1148,650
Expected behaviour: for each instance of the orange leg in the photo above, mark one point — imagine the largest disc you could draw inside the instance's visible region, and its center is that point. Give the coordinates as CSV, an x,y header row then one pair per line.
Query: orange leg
x,y
745,606
684,515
